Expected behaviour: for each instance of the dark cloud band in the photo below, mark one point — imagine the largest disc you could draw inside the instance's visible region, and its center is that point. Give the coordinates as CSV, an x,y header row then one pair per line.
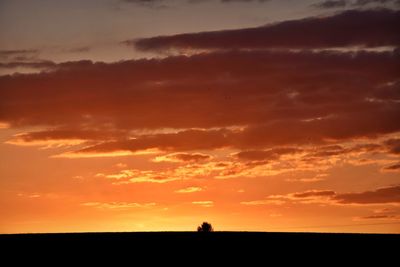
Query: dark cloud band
x,y
368,28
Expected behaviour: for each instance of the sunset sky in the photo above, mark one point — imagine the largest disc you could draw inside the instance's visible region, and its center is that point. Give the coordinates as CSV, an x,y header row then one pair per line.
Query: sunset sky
x,y
157,115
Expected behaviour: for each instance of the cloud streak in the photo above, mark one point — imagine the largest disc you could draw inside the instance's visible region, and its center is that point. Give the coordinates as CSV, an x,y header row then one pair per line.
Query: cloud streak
x,y
18,54
355,3
186,190
330,4
384,195
394,167
117,205
367,28
182,157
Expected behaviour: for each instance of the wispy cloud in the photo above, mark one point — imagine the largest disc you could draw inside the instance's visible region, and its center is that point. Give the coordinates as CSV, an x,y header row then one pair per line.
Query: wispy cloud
x,y
395,167
117,205
182,157
191,189
18,54
205,203
327,4
384,195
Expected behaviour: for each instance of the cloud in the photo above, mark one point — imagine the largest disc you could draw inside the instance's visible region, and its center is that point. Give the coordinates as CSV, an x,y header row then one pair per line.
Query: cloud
x,y
180,141
117,205
363,148
31,195
385,195
231,1
310,178
314,193
41,64
23,61
191,189
229,169
380,217
156,4
121,165
141,1
393,167
382,214
18,54
263,202
66,134
146,2
328,151
189,171
79,49
331,4
250,101
16,140
381,195
368,28
338,150
183,157
183,172
60,137
274,116
305,180
271,154
20,61
152,3
206,203
194,94
4,125
117,153
367,2
131,176
393,145
354,3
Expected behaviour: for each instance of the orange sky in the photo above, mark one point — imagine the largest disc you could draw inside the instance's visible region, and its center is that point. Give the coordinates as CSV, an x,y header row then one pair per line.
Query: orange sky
x,y
262,118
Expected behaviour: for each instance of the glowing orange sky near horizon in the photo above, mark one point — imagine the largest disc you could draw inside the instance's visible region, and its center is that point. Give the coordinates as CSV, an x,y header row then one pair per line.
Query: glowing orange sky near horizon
x,y
256,128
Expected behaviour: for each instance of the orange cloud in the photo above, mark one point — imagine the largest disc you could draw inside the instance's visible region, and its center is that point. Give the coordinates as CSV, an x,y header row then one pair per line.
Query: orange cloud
x,y
317,178
392,168
191,189
140,176
183,157
117,205
184,172
21,140
206,203
393,145
381,217
115,153
263,202
381,195
382,214
314,193
272,154
385,195
167,84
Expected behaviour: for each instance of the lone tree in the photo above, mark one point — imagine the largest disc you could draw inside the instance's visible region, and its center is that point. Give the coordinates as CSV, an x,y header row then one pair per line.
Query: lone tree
x,y
205,227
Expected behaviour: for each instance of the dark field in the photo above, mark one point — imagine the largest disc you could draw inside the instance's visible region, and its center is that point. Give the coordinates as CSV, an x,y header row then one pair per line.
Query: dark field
x,y
236,244
200,249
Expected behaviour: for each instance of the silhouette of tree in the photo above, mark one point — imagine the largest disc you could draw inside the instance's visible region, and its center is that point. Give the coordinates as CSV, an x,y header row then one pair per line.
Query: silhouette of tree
x,y
205,227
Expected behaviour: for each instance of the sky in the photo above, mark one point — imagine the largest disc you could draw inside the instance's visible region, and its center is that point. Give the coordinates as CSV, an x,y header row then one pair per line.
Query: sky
x,y
157,115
